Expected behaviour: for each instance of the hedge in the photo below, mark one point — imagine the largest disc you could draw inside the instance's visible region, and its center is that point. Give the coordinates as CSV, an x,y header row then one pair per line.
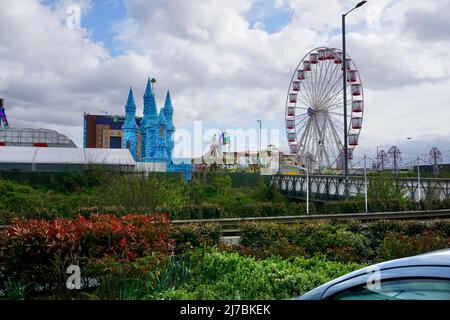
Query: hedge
x,y
396,244
196,235
352,241
38,251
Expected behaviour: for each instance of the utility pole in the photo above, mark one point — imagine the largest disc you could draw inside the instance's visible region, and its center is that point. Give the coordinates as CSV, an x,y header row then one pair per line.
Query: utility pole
x,y
435,159
395,153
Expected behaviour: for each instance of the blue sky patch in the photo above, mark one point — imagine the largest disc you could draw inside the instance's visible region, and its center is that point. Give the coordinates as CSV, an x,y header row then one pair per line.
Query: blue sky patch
x,y
272,18
100,21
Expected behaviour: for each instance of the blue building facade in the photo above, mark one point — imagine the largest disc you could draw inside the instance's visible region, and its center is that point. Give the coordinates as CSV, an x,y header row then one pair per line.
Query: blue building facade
x,y
156,132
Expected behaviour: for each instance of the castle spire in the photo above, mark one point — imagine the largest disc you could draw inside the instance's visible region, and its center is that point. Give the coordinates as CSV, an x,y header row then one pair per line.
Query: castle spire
x,y
148,88
130,127
149,101
168,103
149,119
170,128
130,100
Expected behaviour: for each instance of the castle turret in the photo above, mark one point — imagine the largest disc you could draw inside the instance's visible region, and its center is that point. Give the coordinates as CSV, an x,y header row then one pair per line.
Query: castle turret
x,y
150,125
168,114
148,120
160,147
130,128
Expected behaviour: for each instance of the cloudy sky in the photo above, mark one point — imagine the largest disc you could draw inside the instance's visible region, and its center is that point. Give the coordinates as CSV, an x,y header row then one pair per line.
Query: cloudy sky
x,y
227,63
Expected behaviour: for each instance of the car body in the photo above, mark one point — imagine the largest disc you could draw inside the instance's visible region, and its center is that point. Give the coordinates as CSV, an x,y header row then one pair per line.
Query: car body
x,y
421,277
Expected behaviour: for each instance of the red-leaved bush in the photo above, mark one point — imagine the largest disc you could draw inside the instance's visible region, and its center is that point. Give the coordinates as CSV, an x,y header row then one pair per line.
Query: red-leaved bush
x,y
30,250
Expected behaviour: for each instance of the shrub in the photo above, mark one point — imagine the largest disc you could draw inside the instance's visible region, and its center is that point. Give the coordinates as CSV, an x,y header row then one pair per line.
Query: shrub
x,y
261,235
262,209
396,245
21,201
442,226
39,251
188,212
125,281
224,275
195,235
337,243
136,191
308,238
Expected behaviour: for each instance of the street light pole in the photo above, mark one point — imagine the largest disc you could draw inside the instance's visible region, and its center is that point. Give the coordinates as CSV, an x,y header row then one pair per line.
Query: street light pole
x,y
344,86
307,183
344,90
418,179
259,151
365,183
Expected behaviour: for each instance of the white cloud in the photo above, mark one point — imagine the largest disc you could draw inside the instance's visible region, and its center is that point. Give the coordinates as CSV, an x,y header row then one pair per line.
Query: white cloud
x,y
219,68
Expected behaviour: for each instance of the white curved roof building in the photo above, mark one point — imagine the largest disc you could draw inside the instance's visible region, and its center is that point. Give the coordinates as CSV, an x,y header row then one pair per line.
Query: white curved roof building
x,y
27,137
63,159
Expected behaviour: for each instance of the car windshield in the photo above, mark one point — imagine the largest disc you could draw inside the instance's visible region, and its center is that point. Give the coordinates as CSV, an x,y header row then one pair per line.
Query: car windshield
x,y
405,289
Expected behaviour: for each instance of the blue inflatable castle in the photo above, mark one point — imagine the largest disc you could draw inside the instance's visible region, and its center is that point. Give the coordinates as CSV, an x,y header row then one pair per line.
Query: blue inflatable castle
x,y
151,140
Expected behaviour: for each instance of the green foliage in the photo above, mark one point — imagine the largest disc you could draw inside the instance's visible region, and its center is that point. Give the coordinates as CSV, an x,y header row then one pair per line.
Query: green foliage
x,y
334,240
384,187
192,211
15,290
352,241
214,196
61,182
218,189
211,274
22,201
397,245
134,280
137,191
222,275
263,209
38,252
196,235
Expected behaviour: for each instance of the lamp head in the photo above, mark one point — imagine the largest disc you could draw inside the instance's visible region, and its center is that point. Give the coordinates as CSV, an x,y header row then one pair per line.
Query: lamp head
x,y
360,4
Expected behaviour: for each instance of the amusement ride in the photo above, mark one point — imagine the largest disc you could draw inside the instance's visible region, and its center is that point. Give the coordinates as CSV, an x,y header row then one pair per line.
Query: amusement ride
x,y
314,112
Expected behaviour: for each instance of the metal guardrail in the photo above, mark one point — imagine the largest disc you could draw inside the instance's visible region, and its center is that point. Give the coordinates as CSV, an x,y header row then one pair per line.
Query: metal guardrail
x,y
230,226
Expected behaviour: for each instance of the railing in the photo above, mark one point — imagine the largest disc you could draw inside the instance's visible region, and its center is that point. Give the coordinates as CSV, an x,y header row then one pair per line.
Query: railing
x,y
331,187
230,226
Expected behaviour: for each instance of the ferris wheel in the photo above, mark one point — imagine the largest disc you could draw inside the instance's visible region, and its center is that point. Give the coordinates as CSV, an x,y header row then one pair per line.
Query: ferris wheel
x,y
315,108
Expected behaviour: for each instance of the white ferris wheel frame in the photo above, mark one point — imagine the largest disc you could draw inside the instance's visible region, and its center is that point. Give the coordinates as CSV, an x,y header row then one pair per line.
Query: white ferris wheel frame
x,y
318,118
